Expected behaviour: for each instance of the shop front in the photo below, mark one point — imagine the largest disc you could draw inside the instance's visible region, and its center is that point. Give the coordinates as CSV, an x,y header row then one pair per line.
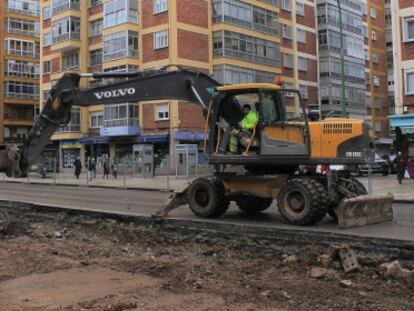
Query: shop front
x,y
68,152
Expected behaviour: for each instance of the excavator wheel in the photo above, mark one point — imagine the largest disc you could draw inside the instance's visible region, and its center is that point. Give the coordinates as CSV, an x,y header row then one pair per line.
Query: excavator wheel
x,y
252,204
206,197
356,187
302,201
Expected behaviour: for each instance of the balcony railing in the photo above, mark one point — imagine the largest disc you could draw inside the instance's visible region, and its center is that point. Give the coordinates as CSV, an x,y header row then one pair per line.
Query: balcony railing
x,y
66,36
69,5
69,128
246,24
121,122
29,75
23,53
25,12
20,95
246,56
70,67
30,33
17,139
120,54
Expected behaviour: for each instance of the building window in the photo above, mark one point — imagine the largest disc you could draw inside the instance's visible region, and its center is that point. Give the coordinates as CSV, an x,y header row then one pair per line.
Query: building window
x,y
63,5
70,61
160,6
27,7
373,12
286,5
287,32
303,89
300,9
120,11
366,54
21,68
409,82
47,39
120,44
248,48
93,3
96,119
162,112
375,57
74,124
21,90
376,81
95,57
227,74
373,35
160,39
302,64
46,66
409,29
21,47
288,86
95,28
47,12
245,15
121,115
301,36
287,60
67,28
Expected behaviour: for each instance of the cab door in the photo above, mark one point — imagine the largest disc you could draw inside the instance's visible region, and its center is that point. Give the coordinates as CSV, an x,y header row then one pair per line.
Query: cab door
x,y
279,137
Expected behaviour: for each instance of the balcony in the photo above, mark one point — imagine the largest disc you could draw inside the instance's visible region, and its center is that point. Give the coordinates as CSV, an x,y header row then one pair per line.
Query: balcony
x,y
70,128
28,75
22,53
14,8
15,95
66,42
68,5
30,33
246,57
120,54
70,67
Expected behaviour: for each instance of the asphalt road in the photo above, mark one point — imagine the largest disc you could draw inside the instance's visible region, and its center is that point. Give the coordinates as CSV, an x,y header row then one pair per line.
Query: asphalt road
x,y
145,203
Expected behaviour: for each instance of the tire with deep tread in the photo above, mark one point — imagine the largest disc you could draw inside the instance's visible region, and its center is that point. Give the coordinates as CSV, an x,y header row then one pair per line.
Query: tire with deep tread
x,y
314,197
206,198
252,204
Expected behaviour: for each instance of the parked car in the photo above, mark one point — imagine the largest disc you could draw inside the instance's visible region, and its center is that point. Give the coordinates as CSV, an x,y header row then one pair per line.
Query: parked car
x,y
380,166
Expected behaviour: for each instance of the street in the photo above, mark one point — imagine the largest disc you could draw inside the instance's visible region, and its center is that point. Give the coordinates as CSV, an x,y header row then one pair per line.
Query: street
x,y
145,203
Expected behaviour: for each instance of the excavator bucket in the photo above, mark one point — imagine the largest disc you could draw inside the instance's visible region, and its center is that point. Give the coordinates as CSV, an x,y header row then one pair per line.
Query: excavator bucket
x,y
364,210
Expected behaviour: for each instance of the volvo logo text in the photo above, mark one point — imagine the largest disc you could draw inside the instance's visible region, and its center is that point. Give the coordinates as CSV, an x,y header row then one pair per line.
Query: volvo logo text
x,y
115,93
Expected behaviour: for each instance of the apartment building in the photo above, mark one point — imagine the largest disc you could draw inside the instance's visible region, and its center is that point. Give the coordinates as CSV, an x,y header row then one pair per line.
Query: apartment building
x,y
403,38
19,67
236,41
365,60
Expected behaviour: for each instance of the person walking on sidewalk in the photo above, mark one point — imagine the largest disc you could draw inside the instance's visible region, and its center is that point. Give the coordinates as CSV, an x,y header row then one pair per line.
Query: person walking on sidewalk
x,y
106,169
78,167
91,168
400,166
114,169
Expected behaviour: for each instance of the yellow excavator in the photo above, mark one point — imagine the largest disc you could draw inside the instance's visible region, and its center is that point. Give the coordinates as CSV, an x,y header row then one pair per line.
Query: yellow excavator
x,y
269,157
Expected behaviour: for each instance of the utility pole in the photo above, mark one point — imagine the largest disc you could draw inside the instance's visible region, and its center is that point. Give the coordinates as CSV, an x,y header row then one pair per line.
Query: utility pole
x,y
341,30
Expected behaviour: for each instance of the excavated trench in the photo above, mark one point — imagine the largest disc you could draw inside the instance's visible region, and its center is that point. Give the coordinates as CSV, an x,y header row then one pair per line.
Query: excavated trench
x,y
78,260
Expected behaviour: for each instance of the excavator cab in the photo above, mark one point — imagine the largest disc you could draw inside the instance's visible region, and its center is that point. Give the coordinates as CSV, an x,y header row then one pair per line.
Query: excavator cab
x,y
276,133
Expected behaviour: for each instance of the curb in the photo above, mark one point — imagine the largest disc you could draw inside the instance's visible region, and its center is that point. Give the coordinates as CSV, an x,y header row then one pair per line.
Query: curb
x,y
89,186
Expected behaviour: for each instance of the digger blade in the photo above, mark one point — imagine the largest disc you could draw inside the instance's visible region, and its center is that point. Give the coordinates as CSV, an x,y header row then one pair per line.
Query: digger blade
x,y
364,210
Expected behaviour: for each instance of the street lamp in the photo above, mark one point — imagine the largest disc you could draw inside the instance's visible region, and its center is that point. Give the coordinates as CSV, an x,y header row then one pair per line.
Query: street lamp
x,y
341,30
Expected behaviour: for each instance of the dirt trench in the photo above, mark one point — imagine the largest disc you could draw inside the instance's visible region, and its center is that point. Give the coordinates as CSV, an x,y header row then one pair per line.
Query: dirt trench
x,y
53,260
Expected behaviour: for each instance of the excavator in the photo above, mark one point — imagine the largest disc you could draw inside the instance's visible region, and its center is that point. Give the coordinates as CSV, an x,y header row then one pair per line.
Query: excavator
x,y
278,145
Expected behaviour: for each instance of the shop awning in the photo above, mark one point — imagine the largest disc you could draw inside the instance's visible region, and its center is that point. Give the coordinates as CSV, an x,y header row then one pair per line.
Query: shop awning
x,y
154,138
405,122
93,140
187,135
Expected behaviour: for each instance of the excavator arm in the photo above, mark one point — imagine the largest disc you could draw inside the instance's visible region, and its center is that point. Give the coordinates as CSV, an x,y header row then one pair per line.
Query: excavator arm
x,y
136,86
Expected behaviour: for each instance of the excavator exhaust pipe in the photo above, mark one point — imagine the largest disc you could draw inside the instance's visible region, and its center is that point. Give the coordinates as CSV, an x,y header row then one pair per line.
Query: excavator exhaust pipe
x,y
364,210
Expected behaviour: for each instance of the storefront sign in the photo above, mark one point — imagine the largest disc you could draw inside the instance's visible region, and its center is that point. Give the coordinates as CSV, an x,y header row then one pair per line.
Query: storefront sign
x,y
71,146
120,131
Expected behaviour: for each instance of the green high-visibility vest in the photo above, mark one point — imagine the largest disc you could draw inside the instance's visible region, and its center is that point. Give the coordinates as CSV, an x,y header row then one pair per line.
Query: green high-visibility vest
x,y
249,121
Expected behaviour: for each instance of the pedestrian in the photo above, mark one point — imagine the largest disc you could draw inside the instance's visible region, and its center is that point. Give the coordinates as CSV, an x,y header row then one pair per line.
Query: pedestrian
x,y
400,166
114,170
78,167
91,168
106,169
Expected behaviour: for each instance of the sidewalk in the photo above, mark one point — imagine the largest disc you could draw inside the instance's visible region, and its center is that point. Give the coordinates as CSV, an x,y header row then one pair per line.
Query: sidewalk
x,y
380,184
